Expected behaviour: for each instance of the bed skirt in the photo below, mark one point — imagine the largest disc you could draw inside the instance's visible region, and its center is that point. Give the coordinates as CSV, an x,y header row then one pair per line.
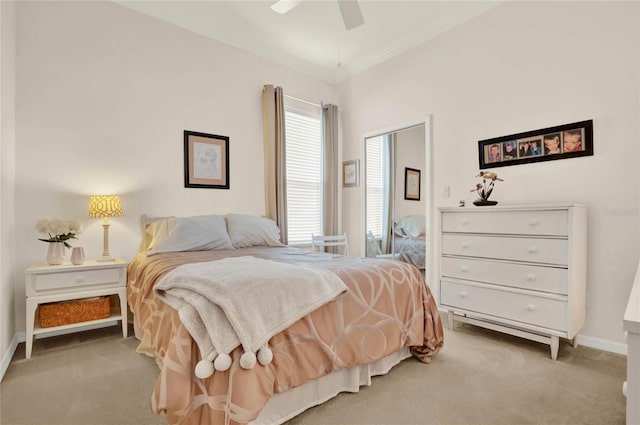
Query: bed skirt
x,y
283,406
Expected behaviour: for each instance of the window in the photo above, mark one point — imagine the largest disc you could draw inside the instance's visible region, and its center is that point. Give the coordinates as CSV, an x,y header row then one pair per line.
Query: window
x,y
375,185
304,173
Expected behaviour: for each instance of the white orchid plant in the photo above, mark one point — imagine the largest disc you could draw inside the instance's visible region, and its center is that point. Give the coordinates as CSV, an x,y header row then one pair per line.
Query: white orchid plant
x,y
59,230
484,189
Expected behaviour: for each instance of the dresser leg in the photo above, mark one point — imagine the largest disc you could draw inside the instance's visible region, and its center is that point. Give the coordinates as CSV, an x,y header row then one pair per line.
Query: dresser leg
x,y
450,319
574,341
555,344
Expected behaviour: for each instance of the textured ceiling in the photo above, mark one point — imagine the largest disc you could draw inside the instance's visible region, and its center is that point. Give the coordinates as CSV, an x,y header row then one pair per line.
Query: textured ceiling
x,y
311,37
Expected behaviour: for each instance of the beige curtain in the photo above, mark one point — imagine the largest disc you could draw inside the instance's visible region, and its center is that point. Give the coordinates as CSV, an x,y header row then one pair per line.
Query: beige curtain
x,y
330,169
274,157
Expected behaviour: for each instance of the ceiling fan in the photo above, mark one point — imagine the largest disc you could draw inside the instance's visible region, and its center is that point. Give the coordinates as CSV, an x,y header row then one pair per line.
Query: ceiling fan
x,y
349,9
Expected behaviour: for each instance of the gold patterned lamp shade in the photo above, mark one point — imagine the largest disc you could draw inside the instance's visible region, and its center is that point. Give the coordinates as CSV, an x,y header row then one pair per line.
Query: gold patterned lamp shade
x,y
105,206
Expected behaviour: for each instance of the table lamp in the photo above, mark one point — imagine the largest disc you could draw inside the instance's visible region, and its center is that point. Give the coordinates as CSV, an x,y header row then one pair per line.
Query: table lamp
x,y
105,206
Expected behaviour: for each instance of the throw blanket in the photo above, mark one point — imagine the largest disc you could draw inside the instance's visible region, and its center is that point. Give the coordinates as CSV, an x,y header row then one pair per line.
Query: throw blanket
x,y
243,301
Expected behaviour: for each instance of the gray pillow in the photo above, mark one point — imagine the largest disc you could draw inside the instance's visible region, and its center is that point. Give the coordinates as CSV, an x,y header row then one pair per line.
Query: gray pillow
x,y
200,233
248,230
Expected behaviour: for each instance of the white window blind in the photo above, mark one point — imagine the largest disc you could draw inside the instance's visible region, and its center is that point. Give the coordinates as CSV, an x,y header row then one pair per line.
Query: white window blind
x,y
374,185
304,175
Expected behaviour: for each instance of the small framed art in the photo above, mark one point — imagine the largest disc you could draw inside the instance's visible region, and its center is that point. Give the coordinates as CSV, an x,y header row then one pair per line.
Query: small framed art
x,y
206,160
547,144
351,173
411,184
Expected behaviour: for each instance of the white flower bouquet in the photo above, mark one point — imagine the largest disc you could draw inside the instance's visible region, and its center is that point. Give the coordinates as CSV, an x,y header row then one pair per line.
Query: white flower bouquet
x,y
59,230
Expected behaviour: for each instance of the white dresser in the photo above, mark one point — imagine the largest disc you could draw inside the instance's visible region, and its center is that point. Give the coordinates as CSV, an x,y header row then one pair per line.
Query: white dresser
x,y
516,269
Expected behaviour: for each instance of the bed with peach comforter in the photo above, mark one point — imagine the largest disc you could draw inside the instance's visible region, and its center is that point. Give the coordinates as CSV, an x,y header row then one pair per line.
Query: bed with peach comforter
x,y
387,307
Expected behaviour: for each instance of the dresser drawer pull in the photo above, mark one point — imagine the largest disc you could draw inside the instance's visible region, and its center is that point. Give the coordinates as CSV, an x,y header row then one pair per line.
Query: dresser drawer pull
x,y
79,279
463,294
464,245
532,250
533,222
464,221
531,277
464,269
531,307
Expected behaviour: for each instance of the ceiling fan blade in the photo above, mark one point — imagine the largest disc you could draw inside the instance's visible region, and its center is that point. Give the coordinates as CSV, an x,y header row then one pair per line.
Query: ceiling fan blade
x,y
351,14
283,6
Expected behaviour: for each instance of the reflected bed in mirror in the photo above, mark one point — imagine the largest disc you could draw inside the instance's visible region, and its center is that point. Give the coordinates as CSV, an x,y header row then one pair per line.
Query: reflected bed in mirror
x,y
409,242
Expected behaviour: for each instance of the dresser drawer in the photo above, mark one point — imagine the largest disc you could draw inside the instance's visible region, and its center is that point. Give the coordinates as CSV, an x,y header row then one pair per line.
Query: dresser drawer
x,y
527,309
548,222
50,281
534,250
537,278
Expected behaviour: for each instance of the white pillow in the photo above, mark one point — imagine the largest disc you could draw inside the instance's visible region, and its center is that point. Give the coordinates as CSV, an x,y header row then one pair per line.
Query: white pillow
x,y
201,233
411,225
248,230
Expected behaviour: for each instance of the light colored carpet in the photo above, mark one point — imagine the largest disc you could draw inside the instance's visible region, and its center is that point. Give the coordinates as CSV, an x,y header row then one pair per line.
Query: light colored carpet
x,y
480,377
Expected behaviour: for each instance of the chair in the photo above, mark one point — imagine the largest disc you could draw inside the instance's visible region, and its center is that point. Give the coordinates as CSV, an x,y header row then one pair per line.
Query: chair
x,y
373,247
320,242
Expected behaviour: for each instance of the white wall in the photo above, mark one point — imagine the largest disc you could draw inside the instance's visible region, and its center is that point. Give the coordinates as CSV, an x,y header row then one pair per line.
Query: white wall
x,y
7,184
525,66
103,96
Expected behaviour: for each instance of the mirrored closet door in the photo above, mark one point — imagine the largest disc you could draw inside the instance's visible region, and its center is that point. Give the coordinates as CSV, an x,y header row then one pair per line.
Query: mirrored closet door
x,y
395,195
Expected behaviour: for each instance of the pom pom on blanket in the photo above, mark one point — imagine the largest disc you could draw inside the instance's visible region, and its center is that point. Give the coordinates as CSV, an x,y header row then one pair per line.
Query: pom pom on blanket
x,y
247,360
204,369
265,355
222,362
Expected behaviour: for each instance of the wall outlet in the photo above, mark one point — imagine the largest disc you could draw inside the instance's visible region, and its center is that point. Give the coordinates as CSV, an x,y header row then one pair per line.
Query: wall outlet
x,y
446,192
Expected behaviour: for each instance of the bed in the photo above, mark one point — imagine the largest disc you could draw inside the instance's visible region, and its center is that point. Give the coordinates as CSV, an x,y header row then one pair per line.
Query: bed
x,y
411,249
409,240
386,315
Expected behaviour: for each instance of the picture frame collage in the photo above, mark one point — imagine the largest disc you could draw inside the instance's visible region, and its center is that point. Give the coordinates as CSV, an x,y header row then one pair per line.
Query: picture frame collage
x,y
559,142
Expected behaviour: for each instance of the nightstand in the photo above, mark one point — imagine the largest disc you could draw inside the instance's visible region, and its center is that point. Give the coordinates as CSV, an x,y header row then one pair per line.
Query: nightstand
x,y
47,284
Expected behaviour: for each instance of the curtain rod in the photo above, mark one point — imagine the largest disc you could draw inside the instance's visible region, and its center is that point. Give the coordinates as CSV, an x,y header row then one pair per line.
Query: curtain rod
x,y
303,101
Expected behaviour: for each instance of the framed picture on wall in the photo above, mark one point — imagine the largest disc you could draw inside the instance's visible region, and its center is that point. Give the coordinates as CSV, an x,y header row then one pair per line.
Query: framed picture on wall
x,y
547,144
351,173
206,160
411,184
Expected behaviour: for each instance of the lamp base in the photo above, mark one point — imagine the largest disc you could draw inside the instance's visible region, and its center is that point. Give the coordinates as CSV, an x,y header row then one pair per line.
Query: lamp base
x,y
106,258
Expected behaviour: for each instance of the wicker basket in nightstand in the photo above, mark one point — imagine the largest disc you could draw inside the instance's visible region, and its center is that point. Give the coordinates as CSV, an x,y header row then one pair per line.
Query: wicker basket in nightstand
x,y
66,312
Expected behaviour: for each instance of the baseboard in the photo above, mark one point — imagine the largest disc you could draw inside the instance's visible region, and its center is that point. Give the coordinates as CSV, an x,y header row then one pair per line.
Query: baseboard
x,y
8,355
585,340
602,344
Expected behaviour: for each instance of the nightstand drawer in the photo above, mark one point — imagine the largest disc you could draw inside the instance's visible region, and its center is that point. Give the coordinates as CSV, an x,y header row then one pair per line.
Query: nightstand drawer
x,y
520,307
550,222
537,278
69,279
532,250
